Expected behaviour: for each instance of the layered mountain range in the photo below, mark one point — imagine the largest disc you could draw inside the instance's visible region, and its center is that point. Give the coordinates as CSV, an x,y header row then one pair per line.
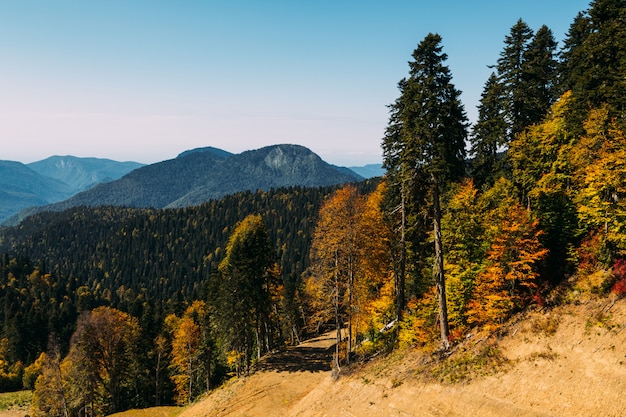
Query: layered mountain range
x,y
193,177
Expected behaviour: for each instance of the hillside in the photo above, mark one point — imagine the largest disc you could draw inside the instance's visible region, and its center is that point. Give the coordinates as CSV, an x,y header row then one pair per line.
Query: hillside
x,y
53,179
203,174
22,187
82,173
568,361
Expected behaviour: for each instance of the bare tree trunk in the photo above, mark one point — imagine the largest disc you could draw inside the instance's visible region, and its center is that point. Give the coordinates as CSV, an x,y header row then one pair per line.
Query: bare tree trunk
x,y
438,270
337,311
55,358
349,313
401,269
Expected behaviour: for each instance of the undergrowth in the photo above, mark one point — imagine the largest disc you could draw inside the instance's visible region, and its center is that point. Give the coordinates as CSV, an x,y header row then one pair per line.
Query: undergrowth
x,y
15,400
468,365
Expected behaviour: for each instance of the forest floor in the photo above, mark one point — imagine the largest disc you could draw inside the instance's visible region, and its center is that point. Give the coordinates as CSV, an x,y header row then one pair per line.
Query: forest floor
x,y
567,361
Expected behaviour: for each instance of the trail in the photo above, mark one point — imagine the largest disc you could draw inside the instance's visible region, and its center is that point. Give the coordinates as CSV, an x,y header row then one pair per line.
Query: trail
x,y
281,380
577,370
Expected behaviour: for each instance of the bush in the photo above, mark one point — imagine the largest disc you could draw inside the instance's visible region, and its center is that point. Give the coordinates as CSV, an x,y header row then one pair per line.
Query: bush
x,y
619,275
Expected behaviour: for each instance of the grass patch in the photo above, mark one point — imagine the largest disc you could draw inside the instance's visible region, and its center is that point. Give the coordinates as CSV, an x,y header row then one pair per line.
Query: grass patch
x,y
547,355
19,400
470,365
151,412
600,320
546,325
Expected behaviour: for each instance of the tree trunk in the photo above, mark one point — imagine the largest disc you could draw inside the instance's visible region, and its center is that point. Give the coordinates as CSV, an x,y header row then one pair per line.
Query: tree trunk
x,y
401,268
438,271
337,311
349,313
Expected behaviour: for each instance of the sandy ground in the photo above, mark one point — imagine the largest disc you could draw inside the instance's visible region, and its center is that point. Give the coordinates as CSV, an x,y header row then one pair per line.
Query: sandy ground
x,y
570,361
13,413
282,382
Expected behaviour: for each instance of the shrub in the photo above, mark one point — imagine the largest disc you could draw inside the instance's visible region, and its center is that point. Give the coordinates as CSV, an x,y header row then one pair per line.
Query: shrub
x,y
619,275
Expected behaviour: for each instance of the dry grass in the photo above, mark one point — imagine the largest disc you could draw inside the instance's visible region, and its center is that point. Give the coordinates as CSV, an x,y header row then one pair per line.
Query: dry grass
x,y
151,412
19,400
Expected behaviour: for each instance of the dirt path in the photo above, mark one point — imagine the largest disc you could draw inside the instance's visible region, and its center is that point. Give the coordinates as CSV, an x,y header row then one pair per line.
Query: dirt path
x,y
281,381
577,369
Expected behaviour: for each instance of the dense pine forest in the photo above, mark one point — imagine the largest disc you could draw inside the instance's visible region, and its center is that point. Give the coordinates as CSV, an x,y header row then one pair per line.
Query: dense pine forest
x,y
110,308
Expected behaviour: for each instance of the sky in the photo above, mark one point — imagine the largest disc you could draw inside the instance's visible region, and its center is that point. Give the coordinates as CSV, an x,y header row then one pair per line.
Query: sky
x,y
144,80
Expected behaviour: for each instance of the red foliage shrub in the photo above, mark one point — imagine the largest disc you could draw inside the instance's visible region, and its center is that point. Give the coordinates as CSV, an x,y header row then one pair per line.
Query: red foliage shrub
x,y
619,274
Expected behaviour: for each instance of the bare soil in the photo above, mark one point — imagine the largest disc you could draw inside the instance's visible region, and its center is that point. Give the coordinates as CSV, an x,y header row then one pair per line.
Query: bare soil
x,y
569,361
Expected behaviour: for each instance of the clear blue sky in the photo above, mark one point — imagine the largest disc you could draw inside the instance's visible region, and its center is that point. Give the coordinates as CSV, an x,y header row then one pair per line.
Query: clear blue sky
x,y
146,80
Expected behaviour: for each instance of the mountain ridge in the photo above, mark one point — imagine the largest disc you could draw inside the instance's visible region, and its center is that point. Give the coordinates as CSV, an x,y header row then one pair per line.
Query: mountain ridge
x,y
82,173
201,174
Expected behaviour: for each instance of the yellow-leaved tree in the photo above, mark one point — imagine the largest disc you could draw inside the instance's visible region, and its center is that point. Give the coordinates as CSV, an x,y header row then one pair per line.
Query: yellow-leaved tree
x,y
600,160
193,352
351,279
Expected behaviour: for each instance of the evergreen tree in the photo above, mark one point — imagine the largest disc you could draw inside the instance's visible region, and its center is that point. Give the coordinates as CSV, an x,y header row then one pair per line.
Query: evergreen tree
x,y
511,72
594,60
430,129
489,134
244,300
570,57
540,74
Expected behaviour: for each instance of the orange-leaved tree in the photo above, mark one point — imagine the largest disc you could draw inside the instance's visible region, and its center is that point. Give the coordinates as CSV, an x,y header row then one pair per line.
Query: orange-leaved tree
x,y
509,276
336,257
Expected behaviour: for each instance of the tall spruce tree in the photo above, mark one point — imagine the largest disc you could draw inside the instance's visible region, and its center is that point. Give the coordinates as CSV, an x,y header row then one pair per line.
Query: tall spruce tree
x,y
243,305
426,139
511,72
540,75
489,134
593,61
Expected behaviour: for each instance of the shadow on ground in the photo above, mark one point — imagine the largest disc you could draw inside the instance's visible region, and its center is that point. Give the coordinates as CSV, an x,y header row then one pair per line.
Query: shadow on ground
x,y
308,357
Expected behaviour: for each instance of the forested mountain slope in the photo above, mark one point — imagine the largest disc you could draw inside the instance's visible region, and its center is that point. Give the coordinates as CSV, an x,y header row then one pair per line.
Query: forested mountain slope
x,y
201,175
127,257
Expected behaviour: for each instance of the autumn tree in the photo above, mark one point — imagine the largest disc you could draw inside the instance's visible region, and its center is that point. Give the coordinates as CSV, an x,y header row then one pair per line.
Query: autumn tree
x,y
466,242
336,257
350,264
101,367
49,396
192,353
374,304
430,129
542,172
510,272
600,162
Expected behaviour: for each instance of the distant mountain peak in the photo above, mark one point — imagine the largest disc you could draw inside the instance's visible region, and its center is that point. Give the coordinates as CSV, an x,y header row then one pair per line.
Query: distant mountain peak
x,y
215,151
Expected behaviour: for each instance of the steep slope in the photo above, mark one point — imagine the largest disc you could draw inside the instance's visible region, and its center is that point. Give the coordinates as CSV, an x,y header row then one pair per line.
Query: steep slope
x,y
566,362
21,187
200,175
82,173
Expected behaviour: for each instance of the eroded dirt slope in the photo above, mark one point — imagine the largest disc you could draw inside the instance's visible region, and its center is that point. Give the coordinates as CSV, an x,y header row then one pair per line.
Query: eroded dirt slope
x,y
570,361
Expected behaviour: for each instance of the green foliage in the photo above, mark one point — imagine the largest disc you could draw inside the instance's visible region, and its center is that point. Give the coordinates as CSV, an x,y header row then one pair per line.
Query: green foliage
x,y
489,134
426,140
594,59
511,73
244,291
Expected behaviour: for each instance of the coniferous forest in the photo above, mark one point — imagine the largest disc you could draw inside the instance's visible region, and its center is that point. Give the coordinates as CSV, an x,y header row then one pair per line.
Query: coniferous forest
x,y
109,308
